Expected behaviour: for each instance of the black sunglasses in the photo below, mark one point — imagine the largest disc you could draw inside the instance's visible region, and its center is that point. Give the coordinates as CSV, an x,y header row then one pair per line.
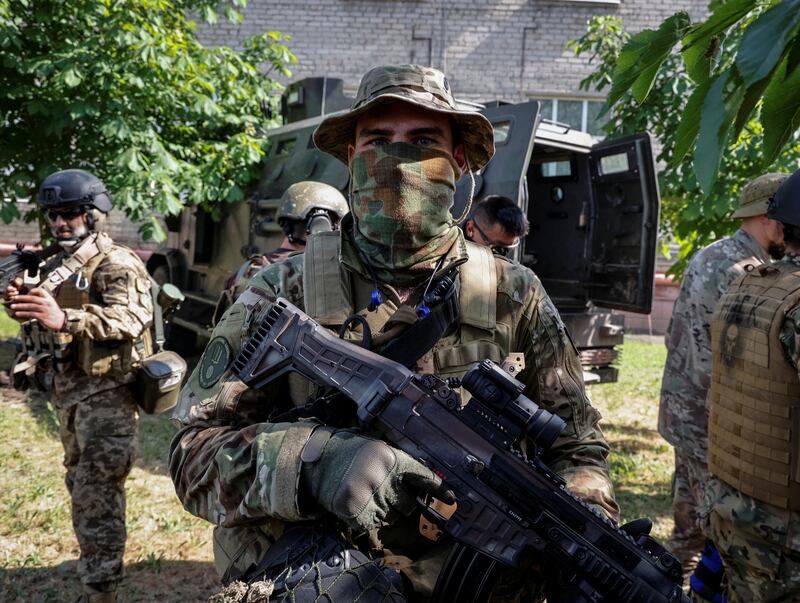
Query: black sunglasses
x,y
68,213
503,250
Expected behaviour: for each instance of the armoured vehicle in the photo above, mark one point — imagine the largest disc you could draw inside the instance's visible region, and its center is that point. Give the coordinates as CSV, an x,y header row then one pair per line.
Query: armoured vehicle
x,y
593,210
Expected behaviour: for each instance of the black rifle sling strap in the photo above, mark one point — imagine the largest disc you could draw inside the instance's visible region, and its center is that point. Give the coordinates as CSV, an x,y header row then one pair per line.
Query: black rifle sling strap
x,y
418,339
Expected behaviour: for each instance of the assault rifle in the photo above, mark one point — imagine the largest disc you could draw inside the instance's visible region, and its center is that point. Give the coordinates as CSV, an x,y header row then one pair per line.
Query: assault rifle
x,y
24,260
512,510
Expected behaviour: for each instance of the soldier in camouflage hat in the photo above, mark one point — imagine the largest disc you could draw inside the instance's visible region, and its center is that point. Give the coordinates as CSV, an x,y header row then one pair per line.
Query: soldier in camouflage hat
x,y
304,509
683,417
753,509
94,307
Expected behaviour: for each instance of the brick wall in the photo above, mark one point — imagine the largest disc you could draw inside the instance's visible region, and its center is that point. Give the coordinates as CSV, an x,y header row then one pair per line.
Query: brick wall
x,y
510,49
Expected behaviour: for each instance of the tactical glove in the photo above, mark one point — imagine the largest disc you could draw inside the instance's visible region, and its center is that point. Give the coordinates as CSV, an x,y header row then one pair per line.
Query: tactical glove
x,y
365,482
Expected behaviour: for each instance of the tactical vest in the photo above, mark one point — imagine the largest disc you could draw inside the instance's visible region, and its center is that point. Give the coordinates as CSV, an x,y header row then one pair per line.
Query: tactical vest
x,y
70,284
754,398
329,291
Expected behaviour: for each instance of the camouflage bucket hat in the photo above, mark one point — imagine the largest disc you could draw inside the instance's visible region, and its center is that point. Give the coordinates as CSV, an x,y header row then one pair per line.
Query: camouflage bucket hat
x,y
755,196
422,86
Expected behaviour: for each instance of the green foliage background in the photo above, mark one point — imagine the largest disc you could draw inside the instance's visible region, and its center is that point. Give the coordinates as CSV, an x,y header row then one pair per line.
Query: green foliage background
x,y
125,89
653,88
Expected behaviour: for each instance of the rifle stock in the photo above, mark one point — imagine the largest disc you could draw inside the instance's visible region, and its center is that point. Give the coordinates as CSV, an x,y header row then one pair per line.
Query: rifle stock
x,y
509,506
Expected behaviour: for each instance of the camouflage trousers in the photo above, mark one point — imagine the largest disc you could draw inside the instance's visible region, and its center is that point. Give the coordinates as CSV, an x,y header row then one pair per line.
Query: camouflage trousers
x,y
99,438
758,545
688,486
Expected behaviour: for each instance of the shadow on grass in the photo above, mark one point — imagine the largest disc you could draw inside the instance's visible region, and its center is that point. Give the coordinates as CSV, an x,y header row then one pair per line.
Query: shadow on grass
x,y
44,413
656,506
630,430
153,579
155,431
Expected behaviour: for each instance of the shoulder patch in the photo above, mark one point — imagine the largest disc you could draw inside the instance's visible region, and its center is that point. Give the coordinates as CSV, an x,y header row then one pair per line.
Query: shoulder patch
x,y
214,363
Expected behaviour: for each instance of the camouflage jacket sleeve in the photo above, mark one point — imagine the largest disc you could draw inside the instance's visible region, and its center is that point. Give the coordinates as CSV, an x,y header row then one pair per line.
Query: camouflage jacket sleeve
x,y
126,306
229,463
554,380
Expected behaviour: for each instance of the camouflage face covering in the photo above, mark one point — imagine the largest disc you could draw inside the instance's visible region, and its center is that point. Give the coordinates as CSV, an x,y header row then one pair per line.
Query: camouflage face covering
x,y
401,197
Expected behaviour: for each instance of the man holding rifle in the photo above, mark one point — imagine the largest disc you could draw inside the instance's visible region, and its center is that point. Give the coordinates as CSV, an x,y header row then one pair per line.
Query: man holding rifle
x,y
84,327
332,505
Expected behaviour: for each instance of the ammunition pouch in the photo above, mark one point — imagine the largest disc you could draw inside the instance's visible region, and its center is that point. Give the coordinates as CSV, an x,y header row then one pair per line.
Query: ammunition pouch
x,y
160,374
101,358
158,382
44,353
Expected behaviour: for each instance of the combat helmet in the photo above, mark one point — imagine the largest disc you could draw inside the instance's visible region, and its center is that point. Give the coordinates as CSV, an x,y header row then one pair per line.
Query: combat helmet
x,y
299,199
73,188
785,203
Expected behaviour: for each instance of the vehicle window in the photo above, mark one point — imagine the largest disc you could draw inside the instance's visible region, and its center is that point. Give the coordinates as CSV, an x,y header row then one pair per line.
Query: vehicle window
x,y
555,169
285,147
614,164
501,131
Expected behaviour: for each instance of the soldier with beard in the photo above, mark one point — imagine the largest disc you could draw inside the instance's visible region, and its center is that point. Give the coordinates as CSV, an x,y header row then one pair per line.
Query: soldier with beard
x,y
308,511
683,417
95,308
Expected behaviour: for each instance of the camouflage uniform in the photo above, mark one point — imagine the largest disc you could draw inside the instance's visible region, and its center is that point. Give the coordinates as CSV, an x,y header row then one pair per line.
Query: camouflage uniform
x,y
759,542
237,463
212,457
97,414
683,417
237,283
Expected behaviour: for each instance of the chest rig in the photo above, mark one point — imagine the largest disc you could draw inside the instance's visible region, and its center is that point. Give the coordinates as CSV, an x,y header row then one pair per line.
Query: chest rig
x,y
330,293
47,353
754,398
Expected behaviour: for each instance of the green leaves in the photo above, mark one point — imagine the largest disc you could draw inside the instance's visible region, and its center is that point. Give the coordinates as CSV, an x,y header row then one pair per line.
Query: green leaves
x,y
642,56
781,113
743,53
126,89
720,106
764,42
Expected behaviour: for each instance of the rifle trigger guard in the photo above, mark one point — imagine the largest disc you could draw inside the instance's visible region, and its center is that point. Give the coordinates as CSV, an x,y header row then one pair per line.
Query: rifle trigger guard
x,y
433,515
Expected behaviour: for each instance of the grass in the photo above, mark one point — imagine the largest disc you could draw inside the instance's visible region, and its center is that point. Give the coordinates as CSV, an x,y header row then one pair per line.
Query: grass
x,y
8,326
641,461
168,556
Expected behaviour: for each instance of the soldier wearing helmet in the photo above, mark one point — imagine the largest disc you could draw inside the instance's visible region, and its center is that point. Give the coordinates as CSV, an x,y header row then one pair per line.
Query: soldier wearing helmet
x,y
753,497
94,309
310,511
305,208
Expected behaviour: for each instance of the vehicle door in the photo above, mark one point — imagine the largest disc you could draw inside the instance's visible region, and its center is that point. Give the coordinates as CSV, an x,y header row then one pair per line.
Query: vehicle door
x,y
624,224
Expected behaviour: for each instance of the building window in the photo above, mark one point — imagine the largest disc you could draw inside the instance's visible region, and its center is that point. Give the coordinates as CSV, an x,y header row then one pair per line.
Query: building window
x,y
581,114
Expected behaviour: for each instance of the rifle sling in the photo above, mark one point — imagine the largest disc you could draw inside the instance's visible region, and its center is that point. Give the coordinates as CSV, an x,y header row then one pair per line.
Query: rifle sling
x,y
96,244
418,339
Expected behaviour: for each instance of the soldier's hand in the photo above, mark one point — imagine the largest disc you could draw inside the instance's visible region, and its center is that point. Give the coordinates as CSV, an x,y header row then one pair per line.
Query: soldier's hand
x,y
14,289
366,483
39,305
